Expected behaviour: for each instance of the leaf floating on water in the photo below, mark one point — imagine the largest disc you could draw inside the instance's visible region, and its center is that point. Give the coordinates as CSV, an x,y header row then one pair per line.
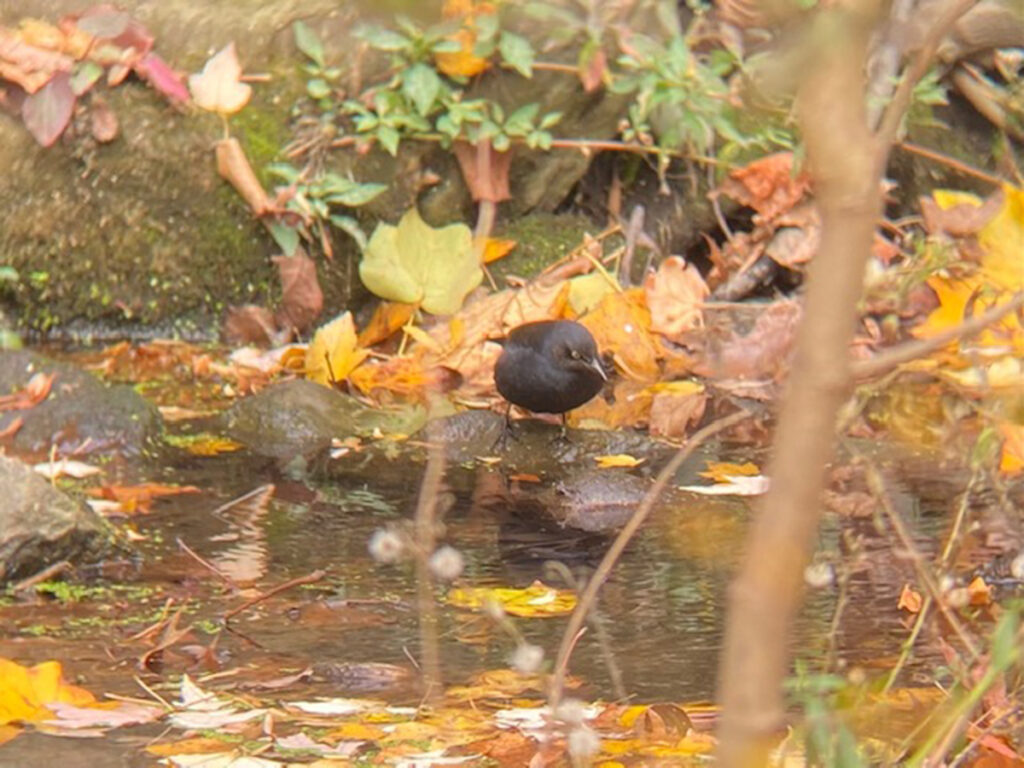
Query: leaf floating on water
x,y
617,460
537,600
739,485
51,470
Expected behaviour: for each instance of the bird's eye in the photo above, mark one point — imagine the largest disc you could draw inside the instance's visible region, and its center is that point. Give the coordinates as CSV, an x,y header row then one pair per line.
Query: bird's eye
x,y
574,354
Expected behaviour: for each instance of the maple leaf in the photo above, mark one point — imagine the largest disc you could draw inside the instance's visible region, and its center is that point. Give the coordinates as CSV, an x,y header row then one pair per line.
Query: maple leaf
x,y
219,88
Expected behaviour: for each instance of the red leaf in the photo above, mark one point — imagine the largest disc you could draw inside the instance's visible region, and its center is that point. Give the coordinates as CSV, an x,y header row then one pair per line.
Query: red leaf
x,y
158,74
47,112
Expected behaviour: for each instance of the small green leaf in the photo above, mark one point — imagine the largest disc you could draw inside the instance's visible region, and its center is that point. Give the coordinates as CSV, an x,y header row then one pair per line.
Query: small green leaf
x,y
517,52
501,142
358,194
383,39
388,138
550,119
287,238
421,85
308,42
350,227
317,88
84,76
289,173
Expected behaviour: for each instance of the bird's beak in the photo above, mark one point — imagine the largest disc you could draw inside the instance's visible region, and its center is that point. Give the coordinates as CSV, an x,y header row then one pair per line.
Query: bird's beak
x,y
596,365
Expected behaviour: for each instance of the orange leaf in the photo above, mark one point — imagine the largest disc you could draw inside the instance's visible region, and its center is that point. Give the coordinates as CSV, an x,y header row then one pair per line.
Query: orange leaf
x,y
621,325
25,691
387,318
495,249
910,600
768,185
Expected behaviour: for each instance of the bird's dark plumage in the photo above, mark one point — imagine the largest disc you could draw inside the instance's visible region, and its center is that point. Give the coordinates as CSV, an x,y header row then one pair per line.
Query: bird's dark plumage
x,y
550,366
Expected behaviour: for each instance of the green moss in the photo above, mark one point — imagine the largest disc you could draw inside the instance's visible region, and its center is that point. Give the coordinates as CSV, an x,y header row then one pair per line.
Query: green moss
x,y
541,239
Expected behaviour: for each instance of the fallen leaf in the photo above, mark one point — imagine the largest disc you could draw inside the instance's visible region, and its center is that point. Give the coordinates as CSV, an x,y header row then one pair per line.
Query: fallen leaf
x,y
387,319
621,325
51,470
910,600
301,298
979,592
740,485
675,295
415,263
334,352
768,185
609,461
675,412
537,600
495,248
721,471
27,692
218,88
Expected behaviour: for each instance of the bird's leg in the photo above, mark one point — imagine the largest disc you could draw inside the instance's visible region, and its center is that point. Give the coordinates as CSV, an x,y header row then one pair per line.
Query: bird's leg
x,y
563,433
506,430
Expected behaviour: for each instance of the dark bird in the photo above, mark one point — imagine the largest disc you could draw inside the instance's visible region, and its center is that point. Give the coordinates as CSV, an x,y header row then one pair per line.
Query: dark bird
x,y
551,366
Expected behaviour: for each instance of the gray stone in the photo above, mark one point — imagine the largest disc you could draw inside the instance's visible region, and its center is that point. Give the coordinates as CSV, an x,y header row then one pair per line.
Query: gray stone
x,y
81,414
40,525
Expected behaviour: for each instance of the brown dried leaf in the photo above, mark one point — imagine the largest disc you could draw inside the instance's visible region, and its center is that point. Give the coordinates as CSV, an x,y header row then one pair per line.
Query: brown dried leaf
x,y
301,300
768,185
674,295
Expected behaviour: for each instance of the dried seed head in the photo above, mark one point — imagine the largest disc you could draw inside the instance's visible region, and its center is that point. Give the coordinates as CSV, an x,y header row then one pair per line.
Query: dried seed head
x,y
447,563
527,658
386,546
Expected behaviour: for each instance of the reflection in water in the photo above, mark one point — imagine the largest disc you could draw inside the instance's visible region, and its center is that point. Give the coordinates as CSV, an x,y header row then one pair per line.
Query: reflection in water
x,y
245,560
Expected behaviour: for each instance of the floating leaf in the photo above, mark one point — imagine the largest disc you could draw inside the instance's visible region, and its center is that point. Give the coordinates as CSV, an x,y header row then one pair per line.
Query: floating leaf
x,y
617,460
334,352
27,692
416,264
219,88
537,600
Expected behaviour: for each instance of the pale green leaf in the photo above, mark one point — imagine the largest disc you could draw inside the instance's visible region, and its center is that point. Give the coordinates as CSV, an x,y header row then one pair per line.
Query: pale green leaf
x,y
417,264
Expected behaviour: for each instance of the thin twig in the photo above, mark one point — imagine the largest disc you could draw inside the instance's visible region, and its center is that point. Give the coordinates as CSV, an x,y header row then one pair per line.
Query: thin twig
x,y
889,126
425,534
206,564
896,356
41,576
309,578
876,483
589,596
952,162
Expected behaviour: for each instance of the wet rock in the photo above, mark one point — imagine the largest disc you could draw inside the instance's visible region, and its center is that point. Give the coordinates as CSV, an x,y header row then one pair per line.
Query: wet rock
x,y
598,501
81,414
40,525
299,417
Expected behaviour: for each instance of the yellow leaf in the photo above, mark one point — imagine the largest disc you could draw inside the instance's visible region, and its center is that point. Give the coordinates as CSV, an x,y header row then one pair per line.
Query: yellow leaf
x,y
219,88
617,460
722,471
587,291
424,338
535,601
334,352
25,691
